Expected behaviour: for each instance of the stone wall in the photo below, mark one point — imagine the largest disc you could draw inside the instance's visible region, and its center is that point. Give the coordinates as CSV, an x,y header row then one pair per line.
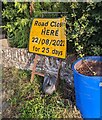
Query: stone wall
x,y
22,59
17,57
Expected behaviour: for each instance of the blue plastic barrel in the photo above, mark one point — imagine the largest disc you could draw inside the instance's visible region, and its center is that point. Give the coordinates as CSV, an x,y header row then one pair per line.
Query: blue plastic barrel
x,y
88,91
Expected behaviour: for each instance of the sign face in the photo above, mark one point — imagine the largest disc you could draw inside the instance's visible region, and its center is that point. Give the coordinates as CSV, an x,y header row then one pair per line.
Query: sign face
x,y
47,37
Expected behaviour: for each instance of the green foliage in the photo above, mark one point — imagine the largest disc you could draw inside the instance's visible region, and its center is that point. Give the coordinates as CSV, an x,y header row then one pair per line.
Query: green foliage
x,y
18,23
28,100
84,24
84,28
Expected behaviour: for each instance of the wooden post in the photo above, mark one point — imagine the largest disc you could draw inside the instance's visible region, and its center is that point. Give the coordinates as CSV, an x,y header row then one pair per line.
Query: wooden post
x,y
34,68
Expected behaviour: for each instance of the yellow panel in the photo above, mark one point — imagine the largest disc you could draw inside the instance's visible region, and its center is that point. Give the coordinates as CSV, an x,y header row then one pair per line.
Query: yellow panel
x,y
47,37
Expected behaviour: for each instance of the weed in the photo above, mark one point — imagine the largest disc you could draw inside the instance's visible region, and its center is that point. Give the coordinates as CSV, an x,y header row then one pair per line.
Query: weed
x,y
27,99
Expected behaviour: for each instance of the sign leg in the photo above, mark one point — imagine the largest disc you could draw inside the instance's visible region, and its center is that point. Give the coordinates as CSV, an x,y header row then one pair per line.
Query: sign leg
x,y
34,67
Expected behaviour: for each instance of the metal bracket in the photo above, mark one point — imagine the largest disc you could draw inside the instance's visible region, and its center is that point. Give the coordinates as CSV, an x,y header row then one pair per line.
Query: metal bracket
x,y
54,12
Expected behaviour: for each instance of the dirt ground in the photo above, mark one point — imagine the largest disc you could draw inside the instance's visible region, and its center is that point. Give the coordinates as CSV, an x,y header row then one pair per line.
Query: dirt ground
x,y
90,68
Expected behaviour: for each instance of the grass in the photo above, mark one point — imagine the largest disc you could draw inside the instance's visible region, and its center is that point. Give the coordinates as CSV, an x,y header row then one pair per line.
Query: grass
x,y
26,100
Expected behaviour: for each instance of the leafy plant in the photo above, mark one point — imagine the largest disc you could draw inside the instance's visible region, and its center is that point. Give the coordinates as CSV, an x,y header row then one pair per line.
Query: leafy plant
x,y
84,23
18,23
29,102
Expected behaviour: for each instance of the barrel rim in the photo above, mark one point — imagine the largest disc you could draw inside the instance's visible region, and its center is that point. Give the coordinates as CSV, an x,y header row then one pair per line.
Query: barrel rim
x,y
87,57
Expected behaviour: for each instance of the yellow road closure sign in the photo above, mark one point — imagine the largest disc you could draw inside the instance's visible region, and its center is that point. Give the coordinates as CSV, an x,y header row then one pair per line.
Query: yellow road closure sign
x,y
47,37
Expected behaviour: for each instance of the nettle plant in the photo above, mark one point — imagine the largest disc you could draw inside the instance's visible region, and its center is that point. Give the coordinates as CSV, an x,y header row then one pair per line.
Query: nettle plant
x,y
84,23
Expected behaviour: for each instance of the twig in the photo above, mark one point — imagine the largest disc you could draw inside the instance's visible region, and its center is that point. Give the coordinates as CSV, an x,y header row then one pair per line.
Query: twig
x,y
94,73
